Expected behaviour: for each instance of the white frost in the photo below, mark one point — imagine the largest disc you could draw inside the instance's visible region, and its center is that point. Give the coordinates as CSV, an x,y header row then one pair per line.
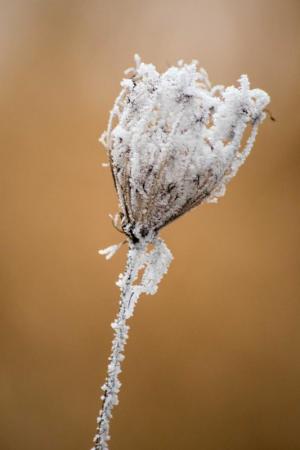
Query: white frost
x,y
109,252
155,264
174,141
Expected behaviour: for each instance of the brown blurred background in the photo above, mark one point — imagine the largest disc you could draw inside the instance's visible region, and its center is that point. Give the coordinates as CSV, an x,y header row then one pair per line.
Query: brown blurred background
x,y
213,360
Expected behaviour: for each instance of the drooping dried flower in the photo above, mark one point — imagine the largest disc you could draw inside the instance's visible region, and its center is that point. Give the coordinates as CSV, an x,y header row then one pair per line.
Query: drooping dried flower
x,y
176,142
173,142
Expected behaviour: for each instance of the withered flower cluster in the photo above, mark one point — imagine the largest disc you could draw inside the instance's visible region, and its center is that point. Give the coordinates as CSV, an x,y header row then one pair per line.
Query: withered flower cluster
x,y
174,141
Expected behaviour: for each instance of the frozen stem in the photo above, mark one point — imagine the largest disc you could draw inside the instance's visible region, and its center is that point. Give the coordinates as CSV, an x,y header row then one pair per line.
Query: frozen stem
x,y
155,264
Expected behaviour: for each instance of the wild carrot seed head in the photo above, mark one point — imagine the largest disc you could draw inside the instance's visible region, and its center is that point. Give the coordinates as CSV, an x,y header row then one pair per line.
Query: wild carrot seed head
x,y
174,142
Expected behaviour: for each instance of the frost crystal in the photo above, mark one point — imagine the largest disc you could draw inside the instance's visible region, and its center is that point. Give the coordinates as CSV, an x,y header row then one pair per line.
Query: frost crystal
x,y
173,142
155,264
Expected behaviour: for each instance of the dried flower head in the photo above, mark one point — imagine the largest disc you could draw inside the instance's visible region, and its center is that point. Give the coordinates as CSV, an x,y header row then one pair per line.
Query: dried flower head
x,y
174,141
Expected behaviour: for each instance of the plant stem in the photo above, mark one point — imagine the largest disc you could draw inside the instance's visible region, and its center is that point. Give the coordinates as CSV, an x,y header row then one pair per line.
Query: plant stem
x,y
112,384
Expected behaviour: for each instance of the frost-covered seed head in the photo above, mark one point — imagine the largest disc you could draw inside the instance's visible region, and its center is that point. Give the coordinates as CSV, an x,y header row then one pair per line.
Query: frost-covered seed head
x,y
174,142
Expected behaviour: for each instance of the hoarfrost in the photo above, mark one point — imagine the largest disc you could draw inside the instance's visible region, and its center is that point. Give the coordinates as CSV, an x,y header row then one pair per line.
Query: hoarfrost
x,y
155,264
109,252
173,142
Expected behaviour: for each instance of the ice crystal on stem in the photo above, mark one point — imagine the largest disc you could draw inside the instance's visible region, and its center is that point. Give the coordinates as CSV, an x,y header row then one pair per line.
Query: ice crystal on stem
x,y
173,142
155,263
